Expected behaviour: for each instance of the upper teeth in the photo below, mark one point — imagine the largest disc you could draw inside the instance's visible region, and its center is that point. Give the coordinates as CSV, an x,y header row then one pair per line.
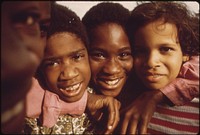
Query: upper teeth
x,y
74,87
112,82
154,76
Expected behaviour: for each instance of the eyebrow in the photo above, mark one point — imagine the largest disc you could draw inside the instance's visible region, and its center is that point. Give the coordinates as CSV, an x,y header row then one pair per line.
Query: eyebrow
x,y
124,48
102,50
59,57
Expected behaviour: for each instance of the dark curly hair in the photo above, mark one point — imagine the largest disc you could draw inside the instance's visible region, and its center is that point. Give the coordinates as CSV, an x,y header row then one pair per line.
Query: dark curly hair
x,y
65,20
105,12
187,22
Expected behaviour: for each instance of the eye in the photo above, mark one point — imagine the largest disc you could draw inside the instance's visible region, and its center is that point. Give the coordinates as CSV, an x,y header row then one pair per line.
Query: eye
x,y
78,57
166,49
51,64
27,22
97,55
124,55
25,19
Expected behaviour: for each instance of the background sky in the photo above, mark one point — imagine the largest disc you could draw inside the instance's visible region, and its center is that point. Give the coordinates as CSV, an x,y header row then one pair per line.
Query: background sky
x,y
81,7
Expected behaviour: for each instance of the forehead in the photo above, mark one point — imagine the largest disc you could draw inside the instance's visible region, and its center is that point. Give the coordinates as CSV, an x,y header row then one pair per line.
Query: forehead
x,y
65,41
161,28
108,32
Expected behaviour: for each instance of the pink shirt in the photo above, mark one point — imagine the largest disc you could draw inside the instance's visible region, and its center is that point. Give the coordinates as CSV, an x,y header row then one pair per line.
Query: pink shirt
x,y
50,106
186,86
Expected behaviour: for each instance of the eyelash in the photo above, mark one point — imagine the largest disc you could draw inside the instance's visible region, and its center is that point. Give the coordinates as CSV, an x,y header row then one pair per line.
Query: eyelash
x,y
166,49
78,57
98,55
51,64
121,56
124,55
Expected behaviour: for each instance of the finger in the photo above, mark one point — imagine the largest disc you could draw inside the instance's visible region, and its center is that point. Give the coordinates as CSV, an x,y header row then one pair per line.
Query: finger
x,y
132,127
142,127
124,125
117,115
113,116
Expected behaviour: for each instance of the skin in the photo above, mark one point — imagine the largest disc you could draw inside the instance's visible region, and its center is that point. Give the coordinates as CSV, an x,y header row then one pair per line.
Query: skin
x,y
110,59
97,104
22,48
66,66
157,63
163,54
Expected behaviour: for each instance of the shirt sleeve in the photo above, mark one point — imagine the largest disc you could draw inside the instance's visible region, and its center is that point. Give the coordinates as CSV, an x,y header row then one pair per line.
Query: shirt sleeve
x,y
186,86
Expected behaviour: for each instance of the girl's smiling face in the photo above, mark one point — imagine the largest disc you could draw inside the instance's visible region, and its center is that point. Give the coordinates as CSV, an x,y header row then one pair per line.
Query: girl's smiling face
x,y
157,54
110,58
66,67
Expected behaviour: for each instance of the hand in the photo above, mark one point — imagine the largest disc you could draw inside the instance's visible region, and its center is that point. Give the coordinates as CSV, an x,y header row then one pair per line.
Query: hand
x,y
104,108
136,116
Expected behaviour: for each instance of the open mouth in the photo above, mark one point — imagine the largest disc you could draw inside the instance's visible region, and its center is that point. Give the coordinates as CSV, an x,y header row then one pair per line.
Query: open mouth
x,y
109,83
113,82
156,75
71,88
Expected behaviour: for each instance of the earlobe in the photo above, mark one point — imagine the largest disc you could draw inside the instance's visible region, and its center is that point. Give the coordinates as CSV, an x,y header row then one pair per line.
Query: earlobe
x,y
186,58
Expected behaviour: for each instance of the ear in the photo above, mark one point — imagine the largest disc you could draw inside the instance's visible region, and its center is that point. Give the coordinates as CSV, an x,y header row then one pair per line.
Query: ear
x,y
185,58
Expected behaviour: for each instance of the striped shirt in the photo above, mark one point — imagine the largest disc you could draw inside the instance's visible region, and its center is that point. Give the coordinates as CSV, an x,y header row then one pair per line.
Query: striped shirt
x,y
176,120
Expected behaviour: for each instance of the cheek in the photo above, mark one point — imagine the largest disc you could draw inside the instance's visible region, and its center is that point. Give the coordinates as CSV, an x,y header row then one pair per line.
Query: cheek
x,y
95,67
51,78
137,63
86,71
128,66
174,68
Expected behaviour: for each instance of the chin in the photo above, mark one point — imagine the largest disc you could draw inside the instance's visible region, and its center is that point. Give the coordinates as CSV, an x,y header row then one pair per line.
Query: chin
x,y
108,93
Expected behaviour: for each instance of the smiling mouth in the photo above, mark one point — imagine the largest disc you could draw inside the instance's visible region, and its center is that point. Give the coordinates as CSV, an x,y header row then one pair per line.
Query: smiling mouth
x,y
156,75
110,82
72,88
113,82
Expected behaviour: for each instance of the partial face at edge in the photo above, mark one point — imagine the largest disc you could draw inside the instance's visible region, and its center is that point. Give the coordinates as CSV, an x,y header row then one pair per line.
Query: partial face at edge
x,y
21,52
110,59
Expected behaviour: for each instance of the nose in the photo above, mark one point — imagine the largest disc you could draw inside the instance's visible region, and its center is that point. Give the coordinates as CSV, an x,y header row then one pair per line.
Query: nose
x,y
152,60
68,72
112,66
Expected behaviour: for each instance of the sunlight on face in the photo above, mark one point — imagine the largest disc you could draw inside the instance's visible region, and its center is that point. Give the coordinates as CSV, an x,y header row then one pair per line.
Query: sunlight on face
x,y
157,53
66,66
110,59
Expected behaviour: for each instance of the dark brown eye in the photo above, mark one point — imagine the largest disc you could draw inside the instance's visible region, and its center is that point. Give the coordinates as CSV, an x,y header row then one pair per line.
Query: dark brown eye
x,y
26,19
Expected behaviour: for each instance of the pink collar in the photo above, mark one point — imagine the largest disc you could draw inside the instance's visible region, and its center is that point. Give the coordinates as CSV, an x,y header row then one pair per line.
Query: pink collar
x,y
48,105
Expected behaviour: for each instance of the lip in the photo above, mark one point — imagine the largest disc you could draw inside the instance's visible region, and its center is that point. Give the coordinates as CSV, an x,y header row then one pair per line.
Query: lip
x,y
153,77
71,90
109,83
